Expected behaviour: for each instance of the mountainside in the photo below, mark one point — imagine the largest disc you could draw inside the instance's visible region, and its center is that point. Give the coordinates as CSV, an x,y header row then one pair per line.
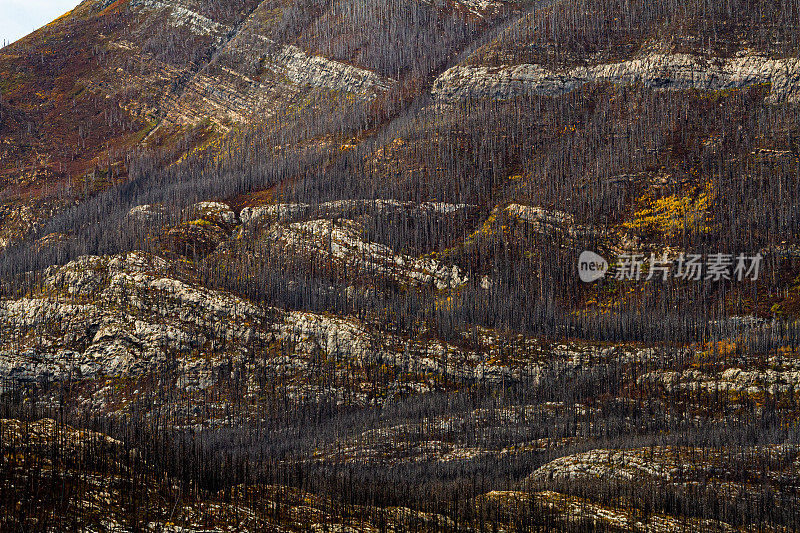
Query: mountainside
x,y
321,265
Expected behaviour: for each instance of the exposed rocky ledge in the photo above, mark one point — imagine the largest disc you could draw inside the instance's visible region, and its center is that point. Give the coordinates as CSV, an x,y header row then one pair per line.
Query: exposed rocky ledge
x,y
351,208
129,315
740,476
318,71
548,221
572,510
342,242
663,464
182,16
477,8
657,71
230,93
41,434
780,378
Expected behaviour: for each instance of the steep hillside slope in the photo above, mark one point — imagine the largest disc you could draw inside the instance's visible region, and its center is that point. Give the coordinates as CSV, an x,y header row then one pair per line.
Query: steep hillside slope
x,y
333,246
110,78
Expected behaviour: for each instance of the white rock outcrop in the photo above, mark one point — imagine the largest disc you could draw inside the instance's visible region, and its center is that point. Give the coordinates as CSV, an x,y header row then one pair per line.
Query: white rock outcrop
x,y
351,208
342,242
657,71
317,71
547,220
182,16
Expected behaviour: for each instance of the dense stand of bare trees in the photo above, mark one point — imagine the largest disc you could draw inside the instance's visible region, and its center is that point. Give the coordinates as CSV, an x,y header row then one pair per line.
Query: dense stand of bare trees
x,y
596,154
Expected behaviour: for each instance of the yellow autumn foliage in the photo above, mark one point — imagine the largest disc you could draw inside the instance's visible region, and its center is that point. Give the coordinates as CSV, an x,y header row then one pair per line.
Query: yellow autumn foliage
x,y
674,214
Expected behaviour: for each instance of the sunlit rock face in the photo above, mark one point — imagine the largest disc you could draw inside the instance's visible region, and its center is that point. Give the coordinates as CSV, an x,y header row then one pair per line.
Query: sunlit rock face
x,y
341,242
662,72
